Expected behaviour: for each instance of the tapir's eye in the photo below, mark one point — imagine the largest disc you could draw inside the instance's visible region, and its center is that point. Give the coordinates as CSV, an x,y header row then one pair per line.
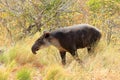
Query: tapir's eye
x,y
46,35
39,39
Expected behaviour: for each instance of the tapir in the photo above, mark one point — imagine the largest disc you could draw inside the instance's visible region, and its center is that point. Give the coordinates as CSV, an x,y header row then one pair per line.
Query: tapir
x,y
69,39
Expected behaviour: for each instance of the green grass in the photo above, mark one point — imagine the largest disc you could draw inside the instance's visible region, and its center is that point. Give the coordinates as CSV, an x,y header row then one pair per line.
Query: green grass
x,y
24,74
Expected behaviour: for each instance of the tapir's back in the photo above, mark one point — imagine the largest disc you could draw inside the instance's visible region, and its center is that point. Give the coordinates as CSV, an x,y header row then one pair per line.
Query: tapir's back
x,y
79,35
75,28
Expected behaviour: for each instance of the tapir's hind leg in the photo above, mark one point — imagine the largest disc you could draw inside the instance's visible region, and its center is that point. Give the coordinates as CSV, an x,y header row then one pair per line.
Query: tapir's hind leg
x,y
91,48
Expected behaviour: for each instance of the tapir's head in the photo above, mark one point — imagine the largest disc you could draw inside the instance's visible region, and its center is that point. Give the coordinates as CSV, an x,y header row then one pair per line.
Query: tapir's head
x,y
41,42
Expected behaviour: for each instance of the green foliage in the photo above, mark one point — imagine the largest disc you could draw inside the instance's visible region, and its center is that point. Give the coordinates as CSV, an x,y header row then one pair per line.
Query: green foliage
x,y
19,15
24,74
104,14
104,6
52,5
8,57
12,54
94,5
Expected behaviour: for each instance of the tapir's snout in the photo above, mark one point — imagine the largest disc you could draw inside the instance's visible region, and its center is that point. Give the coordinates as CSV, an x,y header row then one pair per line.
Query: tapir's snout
x,y
40,43
34,49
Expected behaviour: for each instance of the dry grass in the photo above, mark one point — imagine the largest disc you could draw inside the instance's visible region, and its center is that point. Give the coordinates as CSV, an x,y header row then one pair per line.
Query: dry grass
x,y
19,63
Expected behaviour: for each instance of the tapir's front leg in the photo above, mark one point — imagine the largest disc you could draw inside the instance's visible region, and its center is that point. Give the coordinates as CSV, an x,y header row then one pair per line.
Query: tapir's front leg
x,y
75,56
63,57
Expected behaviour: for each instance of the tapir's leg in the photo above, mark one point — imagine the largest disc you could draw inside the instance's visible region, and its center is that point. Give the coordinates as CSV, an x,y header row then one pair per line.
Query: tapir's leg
x,y
91,48
75,56
63,57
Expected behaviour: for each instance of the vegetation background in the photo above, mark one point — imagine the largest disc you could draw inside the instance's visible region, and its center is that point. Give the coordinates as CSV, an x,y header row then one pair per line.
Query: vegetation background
x,y
23,21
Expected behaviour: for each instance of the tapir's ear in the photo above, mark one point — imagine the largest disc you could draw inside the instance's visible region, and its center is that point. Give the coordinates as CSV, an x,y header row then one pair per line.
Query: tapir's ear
x,y
45,31
46,35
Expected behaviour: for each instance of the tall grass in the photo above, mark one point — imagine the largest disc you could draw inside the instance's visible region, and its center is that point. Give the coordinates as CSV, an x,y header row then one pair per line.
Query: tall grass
x,y
3,75
6,70
24,74
19,63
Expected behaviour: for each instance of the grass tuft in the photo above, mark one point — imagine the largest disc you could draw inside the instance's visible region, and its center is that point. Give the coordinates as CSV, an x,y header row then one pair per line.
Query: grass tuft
x,y
4,74
24,74
56,72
